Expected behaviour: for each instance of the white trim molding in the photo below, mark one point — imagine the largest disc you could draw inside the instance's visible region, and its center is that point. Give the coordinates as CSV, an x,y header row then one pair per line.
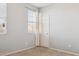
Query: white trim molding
x,y
16,51
69,52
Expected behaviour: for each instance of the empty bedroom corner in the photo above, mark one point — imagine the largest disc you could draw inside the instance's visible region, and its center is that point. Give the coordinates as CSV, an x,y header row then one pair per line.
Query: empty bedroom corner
x,y
39,29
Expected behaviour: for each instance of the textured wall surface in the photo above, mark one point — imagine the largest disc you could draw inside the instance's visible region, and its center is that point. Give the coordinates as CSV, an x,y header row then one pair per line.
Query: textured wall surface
x,y
17,36
64,26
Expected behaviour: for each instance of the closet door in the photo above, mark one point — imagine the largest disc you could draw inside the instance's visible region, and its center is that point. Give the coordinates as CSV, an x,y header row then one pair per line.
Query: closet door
x,y
45,31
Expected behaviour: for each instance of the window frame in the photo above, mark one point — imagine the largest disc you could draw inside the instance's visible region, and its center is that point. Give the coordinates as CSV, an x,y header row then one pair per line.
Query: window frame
x,y
4,17
32,22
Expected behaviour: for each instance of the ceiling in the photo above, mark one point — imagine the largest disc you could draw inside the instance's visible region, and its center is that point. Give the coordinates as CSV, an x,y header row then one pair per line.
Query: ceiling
x,y
39,5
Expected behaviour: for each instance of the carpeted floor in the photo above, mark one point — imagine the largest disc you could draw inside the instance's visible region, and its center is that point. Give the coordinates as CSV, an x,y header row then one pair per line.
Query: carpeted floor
x,y
40,51
3,52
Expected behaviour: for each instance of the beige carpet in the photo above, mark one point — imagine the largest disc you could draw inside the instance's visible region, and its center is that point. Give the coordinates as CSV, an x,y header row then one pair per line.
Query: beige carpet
x,y
40,51
3,52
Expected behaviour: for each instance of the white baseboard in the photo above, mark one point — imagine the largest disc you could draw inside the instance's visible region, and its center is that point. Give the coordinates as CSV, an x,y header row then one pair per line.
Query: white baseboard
x,y
73,53
17,51
69,52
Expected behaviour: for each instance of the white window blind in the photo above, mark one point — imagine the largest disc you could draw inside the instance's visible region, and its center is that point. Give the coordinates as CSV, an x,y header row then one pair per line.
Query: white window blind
x,y
32,21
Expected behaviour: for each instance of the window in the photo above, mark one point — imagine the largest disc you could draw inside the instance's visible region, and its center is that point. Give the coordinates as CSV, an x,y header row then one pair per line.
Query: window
x,y
3,12
32,21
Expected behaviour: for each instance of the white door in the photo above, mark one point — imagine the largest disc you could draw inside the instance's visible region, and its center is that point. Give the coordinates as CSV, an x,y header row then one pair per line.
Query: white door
x,y
45,37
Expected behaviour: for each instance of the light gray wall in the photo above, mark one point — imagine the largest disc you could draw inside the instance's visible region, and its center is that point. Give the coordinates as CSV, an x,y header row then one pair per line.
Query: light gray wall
x,y
17,36
64,29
